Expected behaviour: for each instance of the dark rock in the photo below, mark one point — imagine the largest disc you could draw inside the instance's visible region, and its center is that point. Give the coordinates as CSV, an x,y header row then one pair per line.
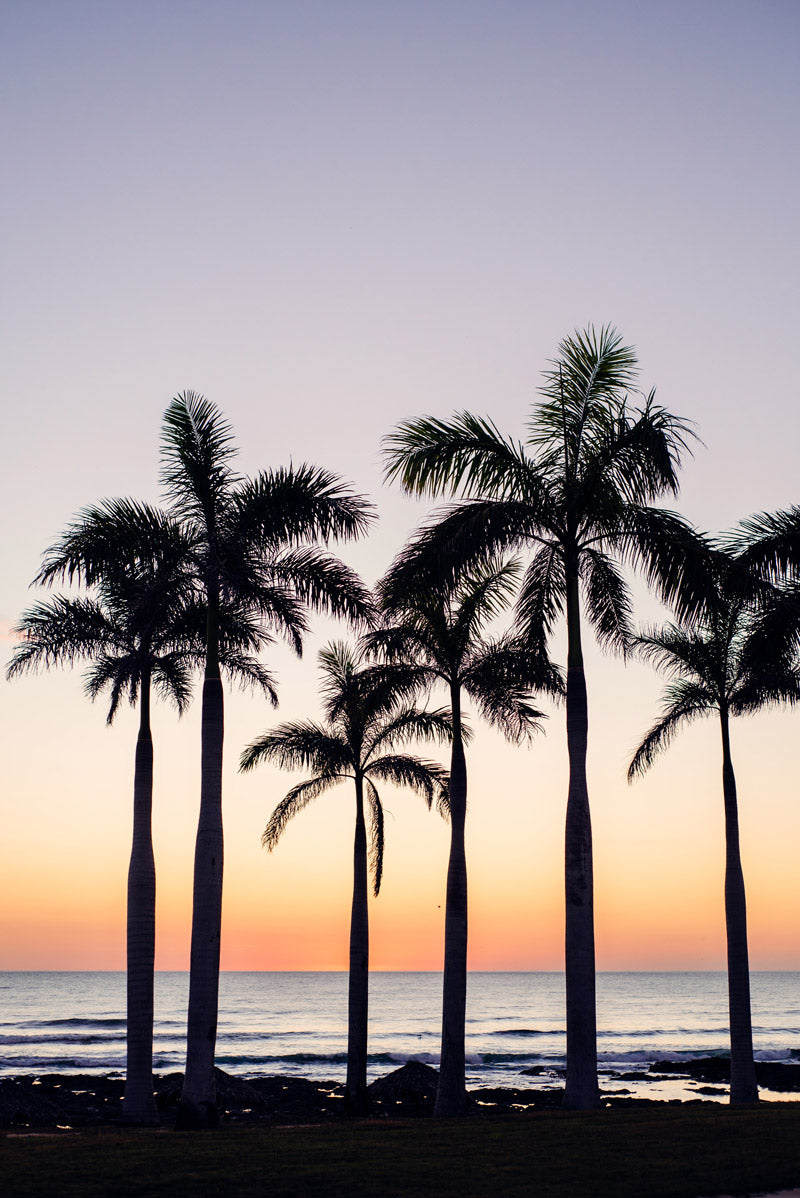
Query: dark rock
x,y
513,1099
777,1075
771,1075
21,1105
704,1069
298,1098
256,1099
410,1090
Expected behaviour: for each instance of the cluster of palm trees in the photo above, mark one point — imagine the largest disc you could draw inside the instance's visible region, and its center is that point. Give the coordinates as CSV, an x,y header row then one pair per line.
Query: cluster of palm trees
x,y
546,528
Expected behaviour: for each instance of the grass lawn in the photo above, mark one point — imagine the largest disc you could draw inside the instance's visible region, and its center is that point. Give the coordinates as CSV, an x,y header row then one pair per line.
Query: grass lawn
x,y
615,1153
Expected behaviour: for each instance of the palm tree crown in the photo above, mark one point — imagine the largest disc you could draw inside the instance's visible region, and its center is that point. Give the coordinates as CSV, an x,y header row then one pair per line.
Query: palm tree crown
x,y
369,713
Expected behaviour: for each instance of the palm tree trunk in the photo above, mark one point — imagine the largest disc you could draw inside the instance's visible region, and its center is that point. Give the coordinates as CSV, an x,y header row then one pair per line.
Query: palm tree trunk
x,y
581,1091
451,1098
743,1074
358,994
138,1104
198,1106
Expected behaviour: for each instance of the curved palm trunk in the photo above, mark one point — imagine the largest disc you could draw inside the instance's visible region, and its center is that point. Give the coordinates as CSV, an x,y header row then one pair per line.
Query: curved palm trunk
x,y
358,991
451,1098
581,1091
198,1107
743,1074
138,1104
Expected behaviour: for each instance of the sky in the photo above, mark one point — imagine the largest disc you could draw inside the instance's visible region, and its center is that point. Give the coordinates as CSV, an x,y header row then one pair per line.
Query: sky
x,y
329,217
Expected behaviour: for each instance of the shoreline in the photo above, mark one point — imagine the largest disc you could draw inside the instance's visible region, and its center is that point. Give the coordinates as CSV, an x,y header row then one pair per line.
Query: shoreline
x,y
35,1101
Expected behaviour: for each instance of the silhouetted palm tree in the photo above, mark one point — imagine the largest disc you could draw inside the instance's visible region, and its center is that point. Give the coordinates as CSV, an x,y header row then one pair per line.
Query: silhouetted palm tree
x,y
722,662
368,714
136,634
254,546
582,499
436,634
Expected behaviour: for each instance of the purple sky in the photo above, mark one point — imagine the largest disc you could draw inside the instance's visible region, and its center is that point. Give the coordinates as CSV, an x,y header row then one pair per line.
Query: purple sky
x,y
331,216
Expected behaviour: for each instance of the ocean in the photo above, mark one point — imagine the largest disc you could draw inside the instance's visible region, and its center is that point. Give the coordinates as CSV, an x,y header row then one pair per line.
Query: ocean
x,y
296,1023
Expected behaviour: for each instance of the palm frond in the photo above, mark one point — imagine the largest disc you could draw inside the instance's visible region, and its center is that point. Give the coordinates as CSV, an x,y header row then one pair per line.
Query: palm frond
x,y
480,595
542,595
325,584
376,835
676,651
410,724
264,603
404,646
768,541
248,672
427,778
607,599
468,454
172,679
461,538
293,802
773,629
636,453
675,559
684,701
60,631
120,674
196,451
498,680
593,370
298,745
769,690
294,505
116,536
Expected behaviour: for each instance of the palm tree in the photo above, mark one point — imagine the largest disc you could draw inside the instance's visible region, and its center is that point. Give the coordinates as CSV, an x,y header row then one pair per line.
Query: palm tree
x,y
368,714
581,499
254,546
727,661
135,632
437,637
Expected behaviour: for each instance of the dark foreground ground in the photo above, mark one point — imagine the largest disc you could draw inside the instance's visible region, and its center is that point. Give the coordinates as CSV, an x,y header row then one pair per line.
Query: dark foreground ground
x,y
280,1136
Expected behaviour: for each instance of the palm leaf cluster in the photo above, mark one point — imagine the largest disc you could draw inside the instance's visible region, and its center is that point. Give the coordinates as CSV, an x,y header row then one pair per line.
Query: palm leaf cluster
x,y
369,714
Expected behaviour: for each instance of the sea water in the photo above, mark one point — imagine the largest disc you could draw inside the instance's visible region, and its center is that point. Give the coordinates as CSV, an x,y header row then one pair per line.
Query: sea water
x,y
296,1023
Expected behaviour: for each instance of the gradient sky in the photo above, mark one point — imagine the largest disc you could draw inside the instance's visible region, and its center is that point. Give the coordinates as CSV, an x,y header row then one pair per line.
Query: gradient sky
x,y
329,217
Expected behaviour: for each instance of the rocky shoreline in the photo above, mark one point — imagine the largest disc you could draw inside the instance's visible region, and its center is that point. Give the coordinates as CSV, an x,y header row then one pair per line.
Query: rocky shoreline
x,y
71,1101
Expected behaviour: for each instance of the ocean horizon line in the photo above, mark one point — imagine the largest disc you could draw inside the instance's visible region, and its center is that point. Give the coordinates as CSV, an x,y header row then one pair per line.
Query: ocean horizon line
x,y
539,972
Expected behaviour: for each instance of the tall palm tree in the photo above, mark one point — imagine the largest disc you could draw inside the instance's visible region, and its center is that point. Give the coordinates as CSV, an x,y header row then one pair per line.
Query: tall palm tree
x,y
581,498
136,633
254,545
727,661
436,634
368,714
